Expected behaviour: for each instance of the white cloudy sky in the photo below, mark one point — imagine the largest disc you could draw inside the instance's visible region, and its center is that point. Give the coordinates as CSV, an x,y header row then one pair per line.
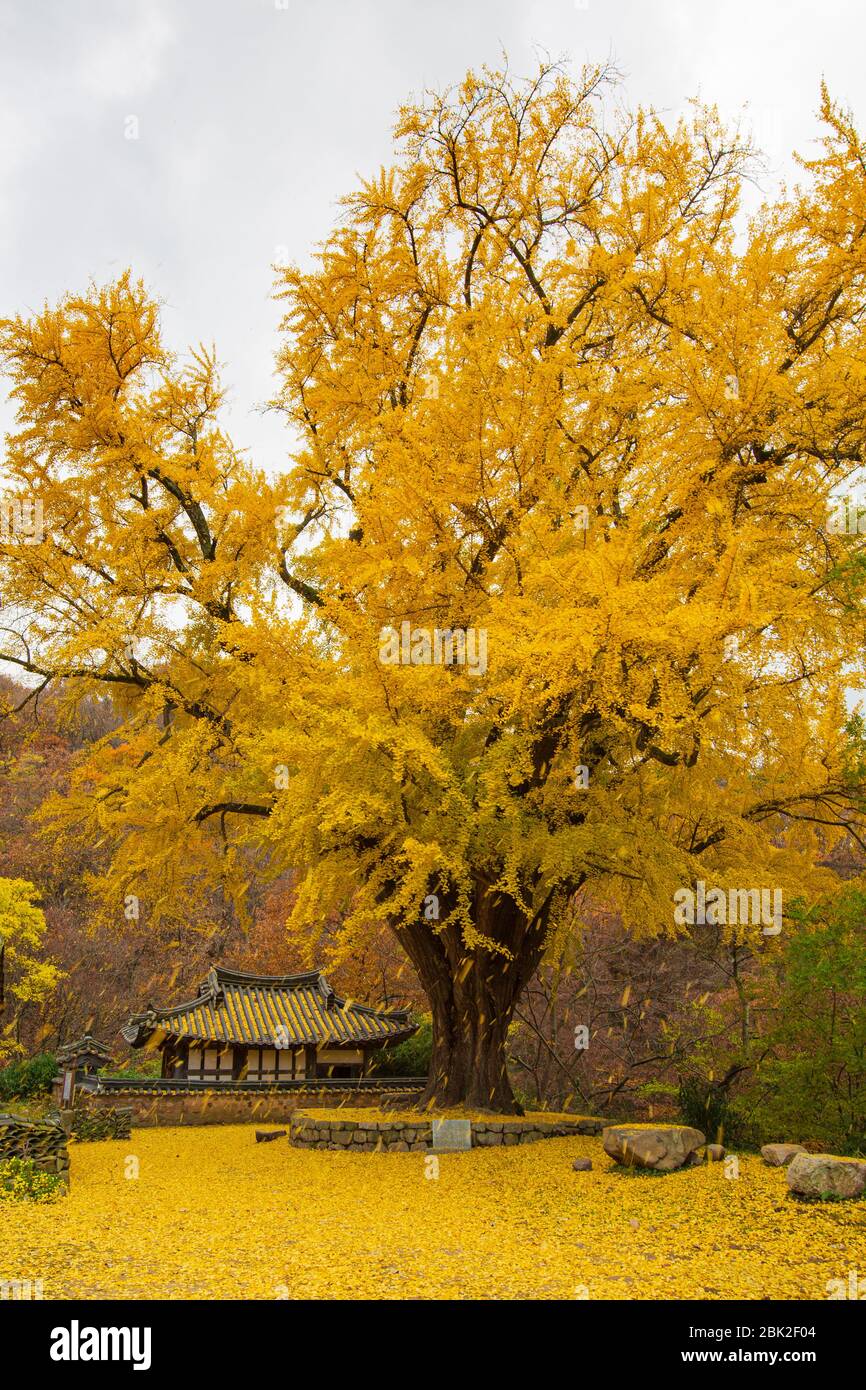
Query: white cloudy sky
x,y
256,115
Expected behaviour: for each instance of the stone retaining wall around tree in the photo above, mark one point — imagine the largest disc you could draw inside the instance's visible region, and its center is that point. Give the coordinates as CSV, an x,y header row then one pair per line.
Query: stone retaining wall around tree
x,y
416,1136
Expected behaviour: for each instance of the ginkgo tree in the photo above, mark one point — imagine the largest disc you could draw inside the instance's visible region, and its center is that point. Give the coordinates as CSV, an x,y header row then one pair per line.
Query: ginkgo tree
x,y
555,404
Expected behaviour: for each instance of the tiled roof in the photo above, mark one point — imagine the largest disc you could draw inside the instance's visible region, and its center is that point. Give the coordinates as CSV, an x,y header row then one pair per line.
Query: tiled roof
x,y
235,1007
86,1046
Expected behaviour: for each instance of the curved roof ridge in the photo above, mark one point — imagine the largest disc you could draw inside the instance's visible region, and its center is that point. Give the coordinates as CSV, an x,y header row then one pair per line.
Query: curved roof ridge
x,y
226,975
370,1008
168,1010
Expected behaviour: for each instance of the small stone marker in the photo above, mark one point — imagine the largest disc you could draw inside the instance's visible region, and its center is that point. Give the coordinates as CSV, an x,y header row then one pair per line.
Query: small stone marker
x,y
264,1136
452,1136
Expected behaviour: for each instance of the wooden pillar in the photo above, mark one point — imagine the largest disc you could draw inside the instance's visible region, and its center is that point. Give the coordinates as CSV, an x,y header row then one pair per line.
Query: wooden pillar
x,y
309,1062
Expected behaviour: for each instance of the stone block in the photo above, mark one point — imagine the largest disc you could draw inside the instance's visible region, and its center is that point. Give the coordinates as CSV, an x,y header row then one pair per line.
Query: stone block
x,y
452,1136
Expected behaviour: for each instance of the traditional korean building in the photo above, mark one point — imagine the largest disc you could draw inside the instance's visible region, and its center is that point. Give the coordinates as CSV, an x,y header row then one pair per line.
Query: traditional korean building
x,y
242,1027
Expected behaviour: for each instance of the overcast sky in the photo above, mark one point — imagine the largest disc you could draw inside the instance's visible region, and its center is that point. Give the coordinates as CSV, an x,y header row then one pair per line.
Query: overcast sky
x,y
254,116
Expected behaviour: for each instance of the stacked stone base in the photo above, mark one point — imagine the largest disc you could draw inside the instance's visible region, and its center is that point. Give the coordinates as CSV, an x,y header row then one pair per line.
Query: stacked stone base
x,y
112,1122
42,1141
416,1136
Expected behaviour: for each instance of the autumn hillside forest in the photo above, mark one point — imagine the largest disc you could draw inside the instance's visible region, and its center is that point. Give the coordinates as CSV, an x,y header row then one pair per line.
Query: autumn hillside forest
x,y
523,693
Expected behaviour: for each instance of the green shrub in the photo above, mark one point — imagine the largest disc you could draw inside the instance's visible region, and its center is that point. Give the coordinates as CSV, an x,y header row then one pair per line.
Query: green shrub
x,y
709,1108
812,1083
409,1058
527,1100
30,1077
22,1181
801,1076
703,1106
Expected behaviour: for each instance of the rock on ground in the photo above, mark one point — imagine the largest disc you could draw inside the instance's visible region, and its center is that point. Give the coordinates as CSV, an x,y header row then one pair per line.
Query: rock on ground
x,y
780,1155
710,1153
823,1175
582,1165
660,1147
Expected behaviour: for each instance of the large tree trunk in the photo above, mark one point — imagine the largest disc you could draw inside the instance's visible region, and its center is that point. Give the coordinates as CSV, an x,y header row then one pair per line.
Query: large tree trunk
x,y
470,1028
473,995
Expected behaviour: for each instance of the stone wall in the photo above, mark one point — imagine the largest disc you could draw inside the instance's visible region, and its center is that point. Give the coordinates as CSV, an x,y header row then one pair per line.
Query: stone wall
x,y
213,1105
89,1123
407,1135
43,1141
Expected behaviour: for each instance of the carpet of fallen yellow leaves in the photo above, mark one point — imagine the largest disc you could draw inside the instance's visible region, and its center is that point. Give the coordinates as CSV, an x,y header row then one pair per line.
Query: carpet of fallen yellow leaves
x,y
212,1214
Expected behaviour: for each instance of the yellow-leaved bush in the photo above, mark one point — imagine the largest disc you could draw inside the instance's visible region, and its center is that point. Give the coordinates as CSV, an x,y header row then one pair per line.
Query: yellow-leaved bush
x,y
28,976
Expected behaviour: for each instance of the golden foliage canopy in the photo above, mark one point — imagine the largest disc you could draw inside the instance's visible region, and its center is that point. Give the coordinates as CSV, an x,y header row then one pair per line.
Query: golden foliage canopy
x,y
547,383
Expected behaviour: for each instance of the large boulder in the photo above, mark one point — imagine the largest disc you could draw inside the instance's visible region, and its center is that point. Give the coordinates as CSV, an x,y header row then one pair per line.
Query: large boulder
x,y
780,1155
660,1147
824,1175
